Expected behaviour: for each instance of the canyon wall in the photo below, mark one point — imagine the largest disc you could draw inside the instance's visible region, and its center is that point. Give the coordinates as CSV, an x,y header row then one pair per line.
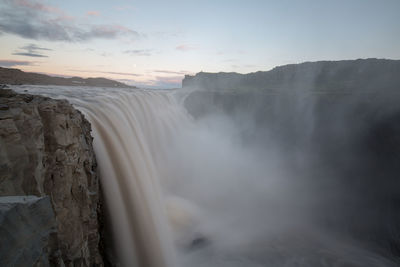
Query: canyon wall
x,y
46,152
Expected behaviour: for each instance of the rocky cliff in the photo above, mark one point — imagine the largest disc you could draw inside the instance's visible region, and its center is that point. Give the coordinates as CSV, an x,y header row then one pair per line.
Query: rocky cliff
x,y
46,151
359,75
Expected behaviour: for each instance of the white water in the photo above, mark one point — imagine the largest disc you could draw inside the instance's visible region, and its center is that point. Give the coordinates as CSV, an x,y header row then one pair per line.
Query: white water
x,y
188,193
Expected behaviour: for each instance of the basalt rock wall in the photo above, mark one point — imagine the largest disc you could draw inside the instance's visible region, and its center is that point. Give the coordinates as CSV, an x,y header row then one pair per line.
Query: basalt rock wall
x,y
46,151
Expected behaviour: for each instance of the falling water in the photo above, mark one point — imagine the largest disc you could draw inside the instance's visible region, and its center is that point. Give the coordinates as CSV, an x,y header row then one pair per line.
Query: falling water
x,y
130,131
182,192
128,136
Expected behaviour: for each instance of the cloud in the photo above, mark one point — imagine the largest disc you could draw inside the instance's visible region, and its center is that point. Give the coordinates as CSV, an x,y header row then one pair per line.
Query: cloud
x,y
166,78
93,13
155,82
139,52
33,20
105,32
167,82
27,54
182,72
31,50
185,47
105,54
33,47
107,72
36,6
12,63
230,60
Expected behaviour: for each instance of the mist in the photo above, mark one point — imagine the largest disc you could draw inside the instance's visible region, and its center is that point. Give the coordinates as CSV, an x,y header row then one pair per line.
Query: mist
x,y
297,177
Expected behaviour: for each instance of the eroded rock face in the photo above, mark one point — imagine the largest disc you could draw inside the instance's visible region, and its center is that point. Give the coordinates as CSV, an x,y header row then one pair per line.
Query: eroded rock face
x,y
46,150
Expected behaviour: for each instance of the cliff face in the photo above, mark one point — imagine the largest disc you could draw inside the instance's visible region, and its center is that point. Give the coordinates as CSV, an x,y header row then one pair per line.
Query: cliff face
x,y
46,150
341,76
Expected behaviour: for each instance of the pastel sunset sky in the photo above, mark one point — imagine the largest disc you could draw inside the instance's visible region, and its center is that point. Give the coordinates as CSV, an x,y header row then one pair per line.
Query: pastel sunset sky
x,y
155,43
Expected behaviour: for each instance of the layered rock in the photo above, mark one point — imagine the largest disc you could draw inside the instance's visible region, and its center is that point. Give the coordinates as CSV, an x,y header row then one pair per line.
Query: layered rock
x,y
46,150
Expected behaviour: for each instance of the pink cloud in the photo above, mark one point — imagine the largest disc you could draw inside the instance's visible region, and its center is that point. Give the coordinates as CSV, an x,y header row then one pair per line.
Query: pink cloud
x,y
185,47
93,13
174,80
39,7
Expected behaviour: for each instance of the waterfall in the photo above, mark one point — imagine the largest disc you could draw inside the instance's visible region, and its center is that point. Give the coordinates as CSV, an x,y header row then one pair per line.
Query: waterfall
x,y
130,132
185,192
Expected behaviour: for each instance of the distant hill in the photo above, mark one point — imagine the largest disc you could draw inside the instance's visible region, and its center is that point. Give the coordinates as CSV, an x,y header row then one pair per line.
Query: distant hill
x,y
345,75
17,77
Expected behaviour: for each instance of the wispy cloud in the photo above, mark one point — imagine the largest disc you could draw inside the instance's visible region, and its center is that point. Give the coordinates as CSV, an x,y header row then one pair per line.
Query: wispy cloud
x,y
36,6
230,60
105,54
185,47
33,20
182,72
93,13
107,72
31,50
166,82
139,52
156,82
27,54
12,63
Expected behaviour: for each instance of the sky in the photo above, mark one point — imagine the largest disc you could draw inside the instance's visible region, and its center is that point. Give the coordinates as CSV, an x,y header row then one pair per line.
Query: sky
x,y
155,43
